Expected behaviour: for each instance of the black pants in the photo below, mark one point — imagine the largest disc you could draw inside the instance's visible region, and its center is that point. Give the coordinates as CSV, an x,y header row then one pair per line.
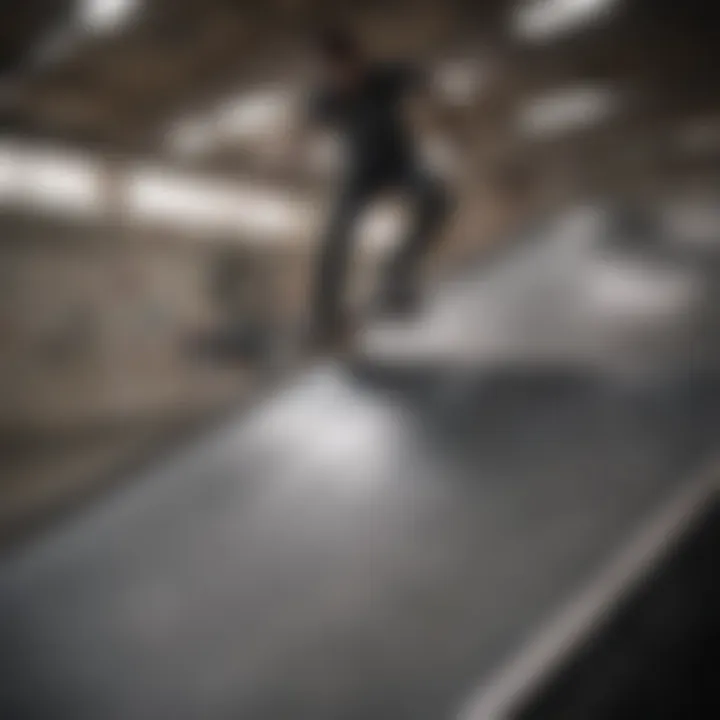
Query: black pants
x,y
429,207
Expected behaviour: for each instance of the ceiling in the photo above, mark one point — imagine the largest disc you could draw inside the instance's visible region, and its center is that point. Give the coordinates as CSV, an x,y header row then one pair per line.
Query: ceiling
x,y
119,85
124,75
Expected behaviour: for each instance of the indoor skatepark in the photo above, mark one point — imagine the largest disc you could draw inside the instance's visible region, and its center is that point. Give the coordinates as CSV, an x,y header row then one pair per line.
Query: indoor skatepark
x,y
504,506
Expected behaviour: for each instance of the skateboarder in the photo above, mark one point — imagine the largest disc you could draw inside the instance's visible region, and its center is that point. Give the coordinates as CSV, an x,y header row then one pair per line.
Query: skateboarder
x,y
363,101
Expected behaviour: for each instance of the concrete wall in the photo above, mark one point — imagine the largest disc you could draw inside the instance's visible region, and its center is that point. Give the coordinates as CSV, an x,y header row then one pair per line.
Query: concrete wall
x,y
95,324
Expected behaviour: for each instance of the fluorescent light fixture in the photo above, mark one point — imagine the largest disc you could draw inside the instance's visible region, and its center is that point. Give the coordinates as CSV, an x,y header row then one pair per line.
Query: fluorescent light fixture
x,y
566,110
61,181
49,179
194,203
64,182
539,20
257,121
160,195
256,115
105,15
200,204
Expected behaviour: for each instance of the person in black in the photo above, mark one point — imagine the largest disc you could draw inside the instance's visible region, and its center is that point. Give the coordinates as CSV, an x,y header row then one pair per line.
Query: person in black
x,y
363,101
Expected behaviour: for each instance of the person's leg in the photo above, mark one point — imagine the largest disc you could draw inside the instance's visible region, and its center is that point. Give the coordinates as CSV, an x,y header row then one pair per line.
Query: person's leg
x,y
430,206
333,263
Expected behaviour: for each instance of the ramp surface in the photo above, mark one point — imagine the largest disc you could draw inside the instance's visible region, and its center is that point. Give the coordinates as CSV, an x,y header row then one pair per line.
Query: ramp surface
x,y
368,542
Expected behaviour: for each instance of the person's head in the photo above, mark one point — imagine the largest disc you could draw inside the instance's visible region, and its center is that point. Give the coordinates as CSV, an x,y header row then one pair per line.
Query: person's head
x,y
341,57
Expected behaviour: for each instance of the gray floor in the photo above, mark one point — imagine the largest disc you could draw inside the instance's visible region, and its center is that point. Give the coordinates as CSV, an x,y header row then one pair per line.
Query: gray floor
x,y
373,539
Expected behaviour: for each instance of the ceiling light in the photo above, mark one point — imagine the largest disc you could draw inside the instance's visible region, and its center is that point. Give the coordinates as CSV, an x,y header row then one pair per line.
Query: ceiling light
x,y
199,203
105,15
545,19
263,113
564,110
52,179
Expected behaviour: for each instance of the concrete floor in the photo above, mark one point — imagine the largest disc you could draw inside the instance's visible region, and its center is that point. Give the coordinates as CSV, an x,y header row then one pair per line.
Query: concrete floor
x,y
375,538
